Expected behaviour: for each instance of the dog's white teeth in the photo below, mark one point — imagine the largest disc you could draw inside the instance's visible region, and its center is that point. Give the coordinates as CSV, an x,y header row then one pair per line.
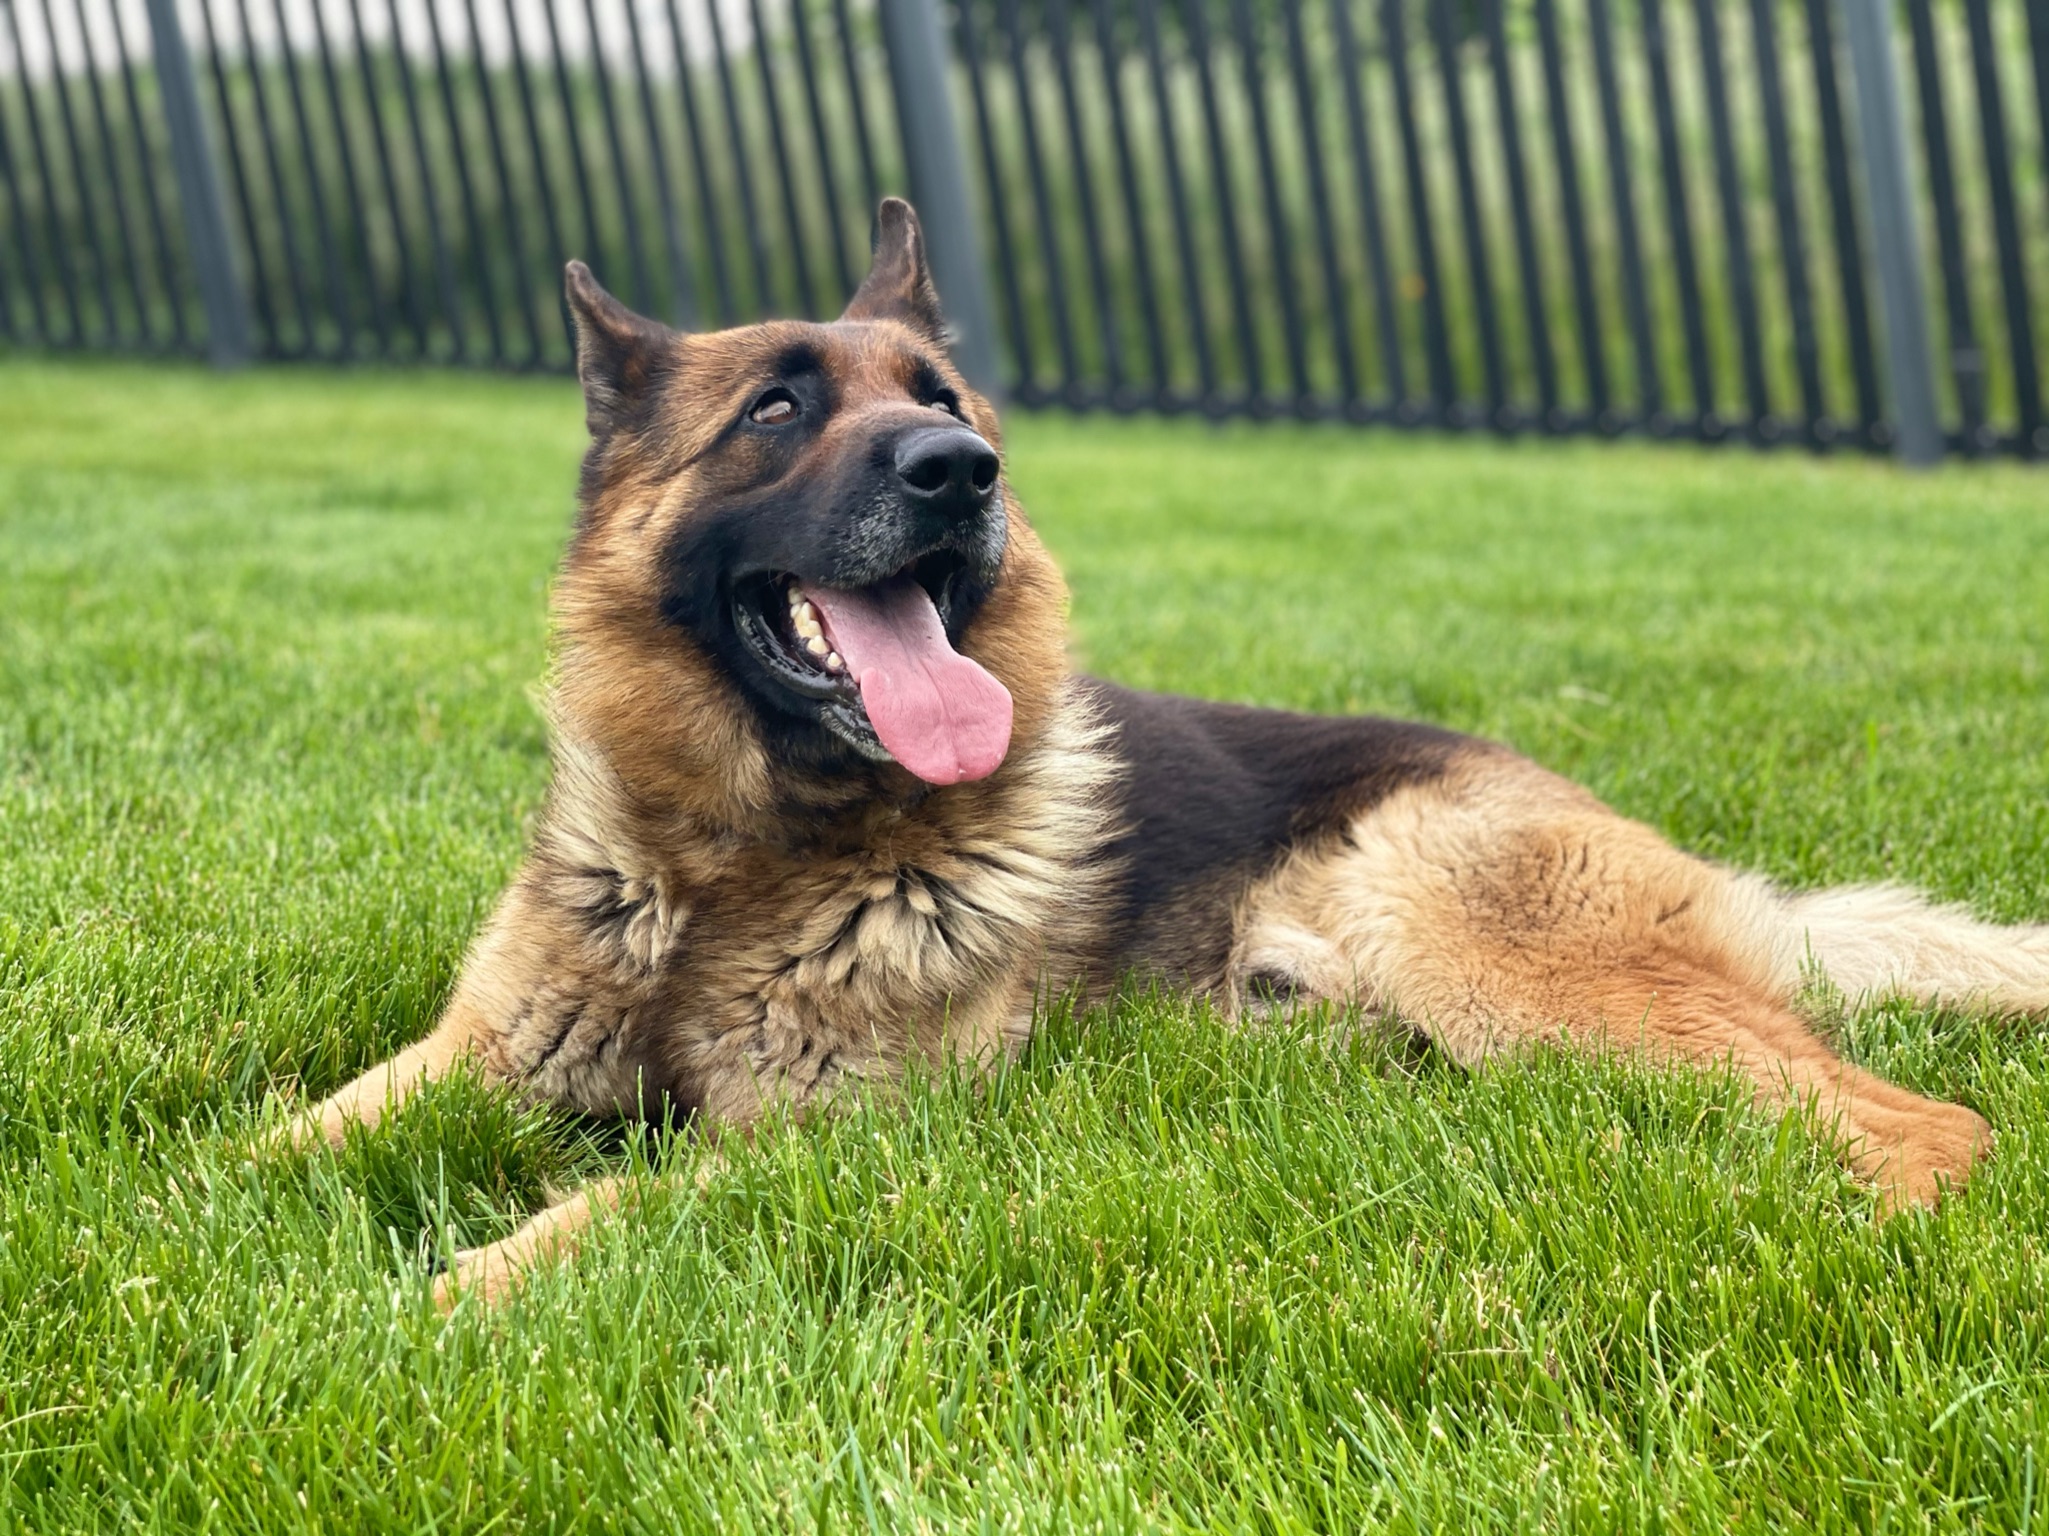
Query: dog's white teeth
x,y
833,662
816,645
805,617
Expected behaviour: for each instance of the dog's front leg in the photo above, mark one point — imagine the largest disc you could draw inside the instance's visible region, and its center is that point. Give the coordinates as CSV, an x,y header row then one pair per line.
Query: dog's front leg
x,y
527,966
384,1087
492,1272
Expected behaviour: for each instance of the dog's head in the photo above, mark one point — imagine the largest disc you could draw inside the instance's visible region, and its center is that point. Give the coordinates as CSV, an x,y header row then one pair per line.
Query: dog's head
x,y
798,571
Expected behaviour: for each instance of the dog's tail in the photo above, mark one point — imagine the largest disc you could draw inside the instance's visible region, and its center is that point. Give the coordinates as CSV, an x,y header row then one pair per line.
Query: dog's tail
x,y
1880,940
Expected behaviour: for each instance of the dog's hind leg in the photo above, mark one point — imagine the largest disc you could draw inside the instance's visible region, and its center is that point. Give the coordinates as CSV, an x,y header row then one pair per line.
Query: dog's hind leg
x,y
1875,941
1511,910
1669,1009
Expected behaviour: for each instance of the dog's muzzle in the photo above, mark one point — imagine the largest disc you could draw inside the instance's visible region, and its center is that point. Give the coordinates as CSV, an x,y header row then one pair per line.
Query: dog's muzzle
x,y
933,493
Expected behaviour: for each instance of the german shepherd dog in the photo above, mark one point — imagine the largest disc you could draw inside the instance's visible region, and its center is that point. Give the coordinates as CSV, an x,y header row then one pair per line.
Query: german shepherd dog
x,y
827,799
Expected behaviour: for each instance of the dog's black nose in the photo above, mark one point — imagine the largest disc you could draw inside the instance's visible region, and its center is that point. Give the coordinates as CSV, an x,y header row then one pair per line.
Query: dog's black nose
x,y
949,469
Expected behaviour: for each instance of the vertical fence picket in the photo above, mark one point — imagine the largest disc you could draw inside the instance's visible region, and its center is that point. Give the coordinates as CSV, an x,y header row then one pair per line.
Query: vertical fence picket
x,y
1195,24
323,229
159,228
857,102
1338,324
18,219
1650,385
1351,68
772,110
622,172
1479,268
46,182
410,305
352,189
1735,236
1565,155
465,184
1966,361
700,162
572,137
821,146
1177,200
208,242
1436,336
2030,438
1679,220
281,209
1105,303
1786,210
1044,217
124,233
1279,254
1536,322
1109,60
740,161
682,306
1895,236
537,162
271,338
1024,369
1849,248
2038,52
508,195
81,181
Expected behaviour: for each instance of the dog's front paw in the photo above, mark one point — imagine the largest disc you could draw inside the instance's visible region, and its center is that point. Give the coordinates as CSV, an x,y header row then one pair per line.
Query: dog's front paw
x,y
306,1130
489,1274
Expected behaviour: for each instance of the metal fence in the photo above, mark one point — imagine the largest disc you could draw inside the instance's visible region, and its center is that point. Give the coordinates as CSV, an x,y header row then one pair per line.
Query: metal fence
x,y
1807,221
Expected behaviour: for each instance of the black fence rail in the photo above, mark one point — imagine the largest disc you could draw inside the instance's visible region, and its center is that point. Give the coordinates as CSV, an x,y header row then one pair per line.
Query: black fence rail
x,y
1820,222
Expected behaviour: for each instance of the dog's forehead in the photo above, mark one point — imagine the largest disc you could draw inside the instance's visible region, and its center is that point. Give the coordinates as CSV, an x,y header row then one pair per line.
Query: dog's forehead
x,y
862,359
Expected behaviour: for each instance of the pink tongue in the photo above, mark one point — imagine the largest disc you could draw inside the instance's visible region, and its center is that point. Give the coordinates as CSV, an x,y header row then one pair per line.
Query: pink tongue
x,y
939,713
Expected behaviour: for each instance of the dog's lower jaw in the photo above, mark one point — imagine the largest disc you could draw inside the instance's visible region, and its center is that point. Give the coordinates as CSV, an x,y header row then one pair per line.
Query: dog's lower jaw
x,y
849,723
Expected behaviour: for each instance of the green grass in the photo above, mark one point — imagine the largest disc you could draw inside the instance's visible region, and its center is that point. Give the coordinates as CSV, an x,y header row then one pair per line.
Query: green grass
x,y
268,744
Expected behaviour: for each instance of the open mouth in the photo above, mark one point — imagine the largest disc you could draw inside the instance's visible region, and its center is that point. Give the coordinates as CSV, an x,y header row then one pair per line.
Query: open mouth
x,y
877,665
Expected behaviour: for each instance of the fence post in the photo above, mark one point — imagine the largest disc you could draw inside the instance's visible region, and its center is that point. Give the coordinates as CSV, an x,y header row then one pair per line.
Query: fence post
x,y
199,192
916,45
1895,239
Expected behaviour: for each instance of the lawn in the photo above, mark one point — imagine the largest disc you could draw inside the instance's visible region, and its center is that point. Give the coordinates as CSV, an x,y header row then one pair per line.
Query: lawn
x,y
270,649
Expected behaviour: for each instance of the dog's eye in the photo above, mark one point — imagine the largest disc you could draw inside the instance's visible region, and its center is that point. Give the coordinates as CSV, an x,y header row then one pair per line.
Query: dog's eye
x,y
948,404
774,409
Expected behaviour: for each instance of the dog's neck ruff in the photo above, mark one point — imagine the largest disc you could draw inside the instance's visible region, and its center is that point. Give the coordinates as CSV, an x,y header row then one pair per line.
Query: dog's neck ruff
x,y
1019,855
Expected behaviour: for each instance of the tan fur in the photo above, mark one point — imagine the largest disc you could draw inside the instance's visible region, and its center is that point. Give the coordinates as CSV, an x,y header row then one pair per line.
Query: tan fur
x,y
1873,941
1504,907
696,912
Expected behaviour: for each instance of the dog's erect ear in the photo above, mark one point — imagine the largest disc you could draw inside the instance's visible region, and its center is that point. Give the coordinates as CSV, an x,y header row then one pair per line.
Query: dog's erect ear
x,y
619,355
899,284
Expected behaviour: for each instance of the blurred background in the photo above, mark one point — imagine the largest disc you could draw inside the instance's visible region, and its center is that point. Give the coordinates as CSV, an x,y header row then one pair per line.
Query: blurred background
x,y
1805,222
